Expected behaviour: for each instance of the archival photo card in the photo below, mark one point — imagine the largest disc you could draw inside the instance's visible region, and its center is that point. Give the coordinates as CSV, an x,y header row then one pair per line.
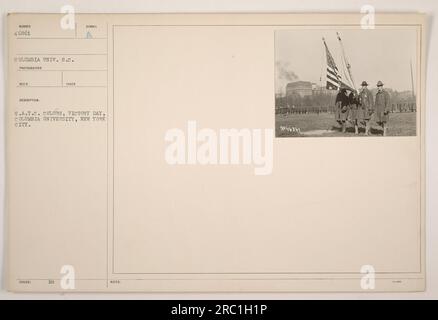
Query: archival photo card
x,y
149,153
346,82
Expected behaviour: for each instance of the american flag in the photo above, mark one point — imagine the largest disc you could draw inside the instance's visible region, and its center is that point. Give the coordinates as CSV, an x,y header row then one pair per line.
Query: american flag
x,y
334,79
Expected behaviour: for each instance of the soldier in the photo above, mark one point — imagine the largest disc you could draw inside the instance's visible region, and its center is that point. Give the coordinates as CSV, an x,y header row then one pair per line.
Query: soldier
x,y
354,112
341,107
382,106
366,106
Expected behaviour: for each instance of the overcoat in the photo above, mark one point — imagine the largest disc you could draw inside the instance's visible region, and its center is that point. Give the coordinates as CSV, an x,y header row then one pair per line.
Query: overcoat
x,y
355,111
366,103
341,107
382,106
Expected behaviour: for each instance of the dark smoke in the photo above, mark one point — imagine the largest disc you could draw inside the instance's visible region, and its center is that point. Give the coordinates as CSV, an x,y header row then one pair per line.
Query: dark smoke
x,y
284,75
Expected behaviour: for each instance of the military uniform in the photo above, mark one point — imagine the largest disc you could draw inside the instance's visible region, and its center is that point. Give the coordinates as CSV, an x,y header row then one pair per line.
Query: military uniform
x,y
382,107
341,107
366,104
355,112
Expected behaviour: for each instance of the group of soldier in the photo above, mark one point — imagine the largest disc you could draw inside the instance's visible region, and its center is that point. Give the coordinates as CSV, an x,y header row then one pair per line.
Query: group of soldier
x,y
360,108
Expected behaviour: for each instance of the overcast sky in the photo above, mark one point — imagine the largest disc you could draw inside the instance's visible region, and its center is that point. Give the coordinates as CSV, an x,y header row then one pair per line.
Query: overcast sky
x,y
373,54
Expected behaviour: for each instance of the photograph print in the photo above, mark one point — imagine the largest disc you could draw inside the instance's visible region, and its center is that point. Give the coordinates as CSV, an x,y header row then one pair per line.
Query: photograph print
x,y
347,82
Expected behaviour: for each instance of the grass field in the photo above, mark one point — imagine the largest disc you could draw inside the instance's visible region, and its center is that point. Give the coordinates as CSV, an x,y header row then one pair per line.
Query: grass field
x,y
324,124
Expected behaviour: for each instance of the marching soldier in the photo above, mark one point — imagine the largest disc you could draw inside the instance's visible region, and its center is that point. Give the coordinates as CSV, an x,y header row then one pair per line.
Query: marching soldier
x,y
382,106
341,109
366,106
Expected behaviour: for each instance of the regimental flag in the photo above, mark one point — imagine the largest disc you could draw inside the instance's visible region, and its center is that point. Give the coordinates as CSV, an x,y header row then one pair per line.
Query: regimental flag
x,y
333,78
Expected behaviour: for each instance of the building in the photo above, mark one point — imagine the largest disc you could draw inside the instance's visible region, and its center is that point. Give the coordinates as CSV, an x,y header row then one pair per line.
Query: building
x,y
301,88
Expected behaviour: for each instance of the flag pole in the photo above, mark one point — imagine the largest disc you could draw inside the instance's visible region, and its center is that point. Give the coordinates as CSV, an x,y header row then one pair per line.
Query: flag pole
x,y
327,50
322,65
347,63
412,81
